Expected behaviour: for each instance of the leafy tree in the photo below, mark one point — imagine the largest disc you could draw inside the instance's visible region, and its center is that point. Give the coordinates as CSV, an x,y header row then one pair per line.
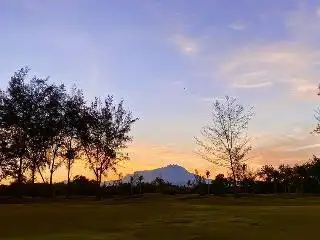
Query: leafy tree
x,y
301,175
224,140
199,179
270,175
247,177
29,111
221,184
105,135
22,111
14,122
158,182
74,108
314,169
81,180
55,126
41,96
286,177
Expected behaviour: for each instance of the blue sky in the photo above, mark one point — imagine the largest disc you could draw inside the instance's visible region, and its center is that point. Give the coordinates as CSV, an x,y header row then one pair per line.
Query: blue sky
x,y
170,59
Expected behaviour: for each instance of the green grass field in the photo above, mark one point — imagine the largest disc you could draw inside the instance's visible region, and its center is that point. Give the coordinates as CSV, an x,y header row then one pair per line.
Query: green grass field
x,y
164,217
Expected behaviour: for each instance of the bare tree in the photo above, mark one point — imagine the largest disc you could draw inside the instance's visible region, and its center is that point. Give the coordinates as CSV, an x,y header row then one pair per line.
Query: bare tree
x,y
317,116
224,141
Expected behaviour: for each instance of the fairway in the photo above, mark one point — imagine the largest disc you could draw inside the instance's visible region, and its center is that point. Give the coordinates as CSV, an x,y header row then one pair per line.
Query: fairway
x,y
163,217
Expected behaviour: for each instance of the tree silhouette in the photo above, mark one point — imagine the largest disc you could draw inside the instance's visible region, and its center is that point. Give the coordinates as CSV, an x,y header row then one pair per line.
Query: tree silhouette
x,y
41,125
301,175
158,182
81,180
189,183
74,108
132,181
286,177
140,179
54,126
15,119
225,142
23,107
270,175
105,135
208,183
314,169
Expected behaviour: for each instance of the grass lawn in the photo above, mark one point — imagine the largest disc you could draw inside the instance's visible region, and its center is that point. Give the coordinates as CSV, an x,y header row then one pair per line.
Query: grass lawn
x,y
164,217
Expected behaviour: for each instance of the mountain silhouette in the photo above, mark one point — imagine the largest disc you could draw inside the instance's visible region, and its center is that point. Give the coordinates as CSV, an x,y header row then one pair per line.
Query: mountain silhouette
x,y
172,173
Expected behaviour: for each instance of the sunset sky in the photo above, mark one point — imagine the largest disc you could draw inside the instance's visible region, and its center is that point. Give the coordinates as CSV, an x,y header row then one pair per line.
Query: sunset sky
x,y
170,59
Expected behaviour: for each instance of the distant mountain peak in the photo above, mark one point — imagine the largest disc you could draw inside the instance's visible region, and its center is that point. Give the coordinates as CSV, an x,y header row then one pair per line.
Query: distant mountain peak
x,y
172,173
174,166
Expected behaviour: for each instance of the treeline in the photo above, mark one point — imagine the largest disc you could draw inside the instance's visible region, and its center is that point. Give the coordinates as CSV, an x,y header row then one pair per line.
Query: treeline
x,y
298,179
43,127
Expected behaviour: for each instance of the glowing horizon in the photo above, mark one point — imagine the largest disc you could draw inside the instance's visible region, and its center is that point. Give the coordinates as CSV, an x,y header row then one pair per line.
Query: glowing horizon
x,y
169,61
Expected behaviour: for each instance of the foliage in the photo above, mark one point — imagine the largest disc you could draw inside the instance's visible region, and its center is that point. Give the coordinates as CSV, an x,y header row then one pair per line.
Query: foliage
x,y
43,126
105,135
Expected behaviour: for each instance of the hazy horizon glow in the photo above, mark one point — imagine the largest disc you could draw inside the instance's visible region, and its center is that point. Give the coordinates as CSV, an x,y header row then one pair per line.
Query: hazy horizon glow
x,y
170,59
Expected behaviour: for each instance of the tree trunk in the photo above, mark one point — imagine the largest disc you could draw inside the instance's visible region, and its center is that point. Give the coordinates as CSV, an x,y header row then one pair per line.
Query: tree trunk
x,y
52,169
69,170
20,172
208,188
33,172
33,178
68,177
275,187
98,186
234,181
39,170
20,179
51,177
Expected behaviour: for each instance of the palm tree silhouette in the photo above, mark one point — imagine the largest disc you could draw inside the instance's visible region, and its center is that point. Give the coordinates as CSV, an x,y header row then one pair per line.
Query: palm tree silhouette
x,y
140,183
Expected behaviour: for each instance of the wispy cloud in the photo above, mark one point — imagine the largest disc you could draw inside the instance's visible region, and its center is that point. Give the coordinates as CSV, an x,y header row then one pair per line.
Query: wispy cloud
x,y
238,26
281,63
285,149
295,149
186,45
255,85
